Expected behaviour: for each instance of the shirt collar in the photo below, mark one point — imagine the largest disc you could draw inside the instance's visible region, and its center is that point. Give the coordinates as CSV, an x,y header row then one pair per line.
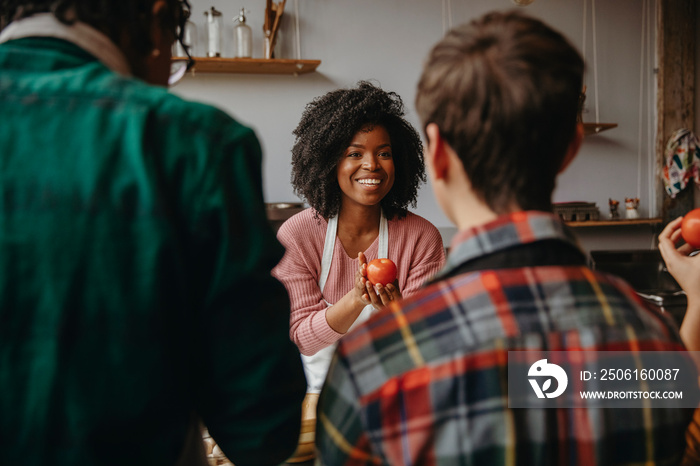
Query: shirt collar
x,y
84,36
504,232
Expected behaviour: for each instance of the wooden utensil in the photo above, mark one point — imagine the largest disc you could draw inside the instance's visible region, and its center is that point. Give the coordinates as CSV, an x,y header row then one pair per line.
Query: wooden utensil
x,y
273,14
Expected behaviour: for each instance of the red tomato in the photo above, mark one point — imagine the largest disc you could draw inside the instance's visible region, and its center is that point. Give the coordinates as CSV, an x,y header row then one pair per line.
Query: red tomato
x,y
690,228
381,271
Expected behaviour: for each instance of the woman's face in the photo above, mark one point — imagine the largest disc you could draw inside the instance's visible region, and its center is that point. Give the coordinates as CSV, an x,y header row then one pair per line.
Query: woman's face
x,y
366,168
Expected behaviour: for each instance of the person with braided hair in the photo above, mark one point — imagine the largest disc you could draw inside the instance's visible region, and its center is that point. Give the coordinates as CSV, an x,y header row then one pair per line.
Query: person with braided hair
x,y
133,230
358,163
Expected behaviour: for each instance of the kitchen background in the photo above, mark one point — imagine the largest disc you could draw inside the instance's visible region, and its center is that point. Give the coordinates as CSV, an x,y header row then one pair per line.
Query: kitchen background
x,y
386,41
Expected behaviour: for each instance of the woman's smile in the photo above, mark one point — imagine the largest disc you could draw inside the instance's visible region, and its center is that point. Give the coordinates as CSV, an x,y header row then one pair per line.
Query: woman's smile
x,y
371,183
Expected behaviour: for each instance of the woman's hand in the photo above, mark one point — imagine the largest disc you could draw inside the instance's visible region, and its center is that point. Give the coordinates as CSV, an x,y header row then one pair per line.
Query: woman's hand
x,y
361,280
343,314
684,268
379,295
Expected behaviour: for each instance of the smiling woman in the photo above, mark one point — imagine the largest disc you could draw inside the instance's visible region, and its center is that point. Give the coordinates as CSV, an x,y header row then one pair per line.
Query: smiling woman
x,y
327,128
358,164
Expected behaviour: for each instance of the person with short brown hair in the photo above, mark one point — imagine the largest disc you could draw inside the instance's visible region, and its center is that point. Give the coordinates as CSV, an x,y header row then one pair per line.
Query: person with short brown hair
x,y
425,381
505,97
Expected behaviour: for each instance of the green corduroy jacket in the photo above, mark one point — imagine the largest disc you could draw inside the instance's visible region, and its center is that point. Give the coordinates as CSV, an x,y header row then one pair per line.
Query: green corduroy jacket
x,y
135,283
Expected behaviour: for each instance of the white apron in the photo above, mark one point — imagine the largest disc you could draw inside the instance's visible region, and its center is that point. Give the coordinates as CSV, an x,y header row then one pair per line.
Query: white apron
x,y
316,366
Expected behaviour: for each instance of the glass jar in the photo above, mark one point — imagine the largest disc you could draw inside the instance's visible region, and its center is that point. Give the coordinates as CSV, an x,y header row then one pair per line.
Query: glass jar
x,y
243,37
214,28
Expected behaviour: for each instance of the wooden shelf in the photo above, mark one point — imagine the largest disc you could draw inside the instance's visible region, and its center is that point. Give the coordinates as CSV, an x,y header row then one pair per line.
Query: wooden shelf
x,y
616,223
254,65
595,128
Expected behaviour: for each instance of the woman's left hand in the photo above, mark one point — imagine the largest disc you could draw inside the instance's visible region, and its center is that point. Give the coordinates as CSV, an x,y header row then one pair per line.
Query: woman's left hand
x,y
384,294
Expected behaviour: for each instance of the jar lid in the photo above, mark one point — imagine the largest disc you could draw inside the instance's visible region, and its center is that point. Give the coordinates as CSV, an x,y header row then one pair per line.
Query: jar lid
x,y
213,12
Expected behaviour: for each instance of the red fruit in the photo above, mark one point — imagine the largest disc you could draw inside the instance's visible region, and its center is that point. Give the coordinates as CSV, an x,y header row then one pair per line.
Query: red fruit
x,y
690,228
381,271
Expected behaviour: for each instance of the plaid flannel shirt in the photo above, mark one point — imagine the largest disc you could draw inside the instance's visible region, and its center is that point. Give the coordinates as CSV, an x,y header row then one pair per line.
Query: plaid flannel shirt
x,y
425,380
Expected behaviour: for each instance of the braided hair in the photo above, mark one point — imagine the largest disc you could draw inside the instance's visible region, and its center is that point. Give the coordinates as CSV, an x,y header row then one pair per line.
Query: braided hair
x,y
327,127
109,16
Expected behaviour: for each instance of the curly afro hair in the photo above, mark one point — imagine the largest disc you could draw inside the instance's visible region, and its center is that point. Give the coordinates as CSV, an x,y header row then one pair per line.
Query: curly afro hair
x,y
327,127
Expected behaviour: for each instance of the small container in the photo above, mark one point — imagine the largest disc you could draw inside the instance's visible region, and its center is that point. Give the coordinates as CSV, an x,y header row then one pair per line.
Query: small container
x,y
189,38
243,37
267,53
267,39
214,28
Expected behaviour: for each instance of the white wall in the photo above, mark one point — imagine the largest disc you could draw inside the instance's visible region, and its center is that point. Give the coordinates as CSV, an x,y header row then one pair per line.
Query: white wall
x,y
387,41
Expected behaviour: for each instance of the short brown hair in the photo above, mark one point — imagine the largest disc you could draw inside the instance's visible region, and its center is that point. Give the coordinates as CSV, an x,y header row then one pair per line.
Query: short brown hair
x,y
504,91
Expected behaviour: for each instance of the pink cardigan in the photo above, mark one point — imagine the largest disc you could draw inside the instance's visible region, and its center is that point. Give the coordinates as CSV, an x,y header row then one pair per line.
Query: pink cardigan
x,y
415,245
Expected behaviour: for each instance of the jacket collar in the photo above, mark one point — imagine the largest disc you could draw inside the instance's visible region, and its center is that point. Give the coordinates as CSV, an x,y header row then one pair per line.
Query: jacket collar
x,y
505,232
84,36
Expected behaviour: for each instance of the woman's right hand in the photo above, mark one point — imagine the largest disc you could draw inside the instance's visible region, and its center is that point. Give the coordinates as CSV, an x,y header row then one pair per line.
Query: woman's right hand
x,y
684,268
363,288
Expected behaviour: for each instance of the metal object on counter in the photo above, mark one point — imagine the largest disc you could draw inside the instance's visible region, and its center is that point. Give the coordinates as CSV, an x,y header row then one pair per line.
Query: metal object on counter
x,y
671,302
279,212
646,272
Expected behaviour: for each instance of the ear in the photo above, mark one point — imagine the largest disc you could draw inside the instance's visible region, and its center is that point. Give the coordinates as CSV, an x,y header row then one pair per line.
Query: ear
x,y
158,36
157,64
574,147
437,157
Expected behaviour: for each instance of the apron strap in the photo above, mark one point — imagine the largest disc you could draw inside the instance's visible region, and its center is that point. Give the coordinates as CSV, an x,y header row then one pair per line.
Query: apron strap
x,y
328,247
383,251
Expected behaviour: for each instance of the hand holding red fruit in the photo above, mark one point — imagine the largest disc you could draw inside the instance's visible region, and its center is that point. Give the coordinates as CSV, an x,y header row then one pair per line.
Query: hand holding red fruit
x,y
684,268
378,280
690,228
